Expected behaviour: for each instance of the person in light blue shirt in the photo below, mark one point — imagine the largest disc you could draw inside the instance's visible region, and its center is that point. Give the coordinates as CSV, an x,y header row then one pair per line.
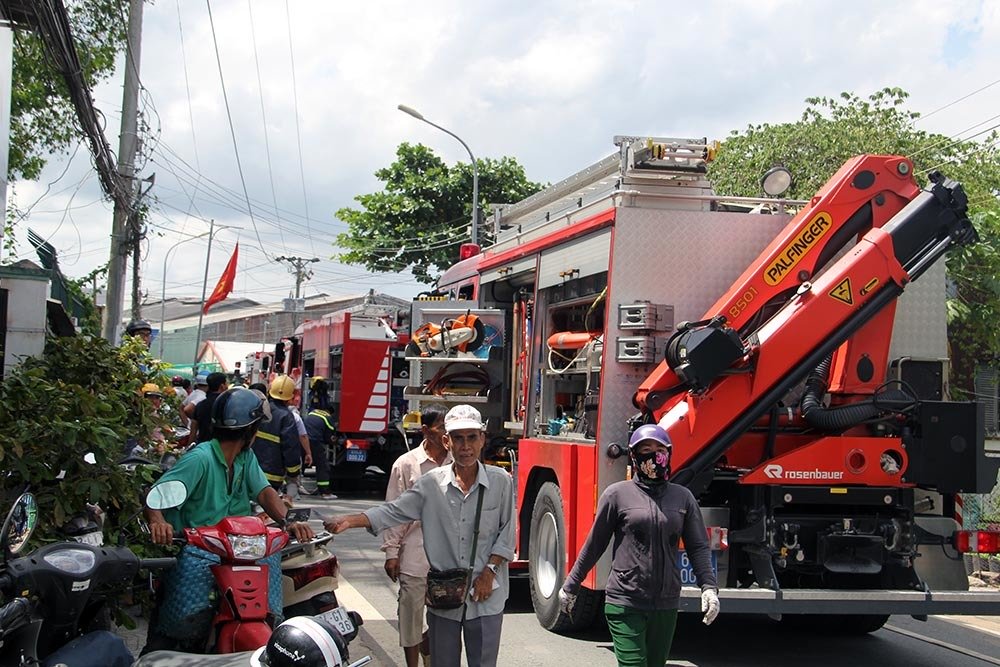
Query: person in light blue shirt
x,y
444,501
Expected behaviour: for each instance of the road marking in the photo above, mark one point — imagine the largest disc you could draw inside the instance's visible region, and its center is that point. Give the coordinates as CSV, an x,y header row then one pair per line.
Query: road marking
x,y
348,596
972,622
938,642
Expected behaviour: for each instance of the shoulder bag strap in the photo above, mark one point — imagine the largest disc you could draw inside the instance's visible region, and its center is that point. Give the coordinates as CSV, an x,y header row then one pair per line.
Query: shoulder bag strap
x,y
475,543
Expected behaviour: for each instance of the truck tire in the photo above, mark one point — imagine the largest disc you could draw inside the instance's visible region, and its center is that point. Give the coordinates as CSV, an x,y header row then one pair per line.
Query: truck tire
x,y
547,566
836,624
862,624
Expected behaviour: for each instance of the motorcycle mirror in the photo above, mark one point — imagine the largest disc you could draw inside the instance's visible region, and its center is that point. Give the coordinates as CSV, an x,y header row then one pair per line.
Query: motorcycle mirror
x,y
166,495
19,524
298,514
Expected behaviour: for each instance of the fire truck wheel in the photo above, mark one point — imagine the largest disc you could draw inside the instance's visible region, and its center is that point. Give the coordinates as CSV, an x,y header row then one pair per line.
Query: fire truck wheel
x,y
547,566
835,624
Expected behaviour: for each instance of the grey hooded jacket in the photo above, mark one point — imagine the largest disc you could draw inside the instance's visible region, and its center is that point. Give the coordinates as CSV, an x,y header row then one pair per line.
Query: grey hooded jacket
x,y
647,524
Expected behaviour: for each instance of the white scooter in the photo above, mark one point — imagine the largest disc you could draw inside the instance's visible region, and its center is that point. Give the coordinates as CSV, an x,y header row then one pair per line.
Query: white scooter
x,y
309,572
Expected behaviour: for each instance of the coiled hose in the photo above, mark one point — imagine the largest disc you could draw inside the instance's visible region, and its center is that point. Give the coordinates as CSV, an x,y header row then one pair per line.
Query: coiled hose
x,y
845,416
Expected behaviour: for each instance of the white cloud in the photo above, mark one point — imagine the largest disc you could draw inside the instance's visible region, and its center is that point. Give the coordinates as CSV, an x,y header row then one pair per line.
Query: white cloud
x,y
549,83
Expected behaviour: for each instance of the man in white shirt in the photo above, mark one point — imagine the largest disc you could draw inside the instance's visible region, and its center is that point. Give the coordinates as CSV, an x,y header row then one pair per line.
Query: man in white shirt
x,y
445,501
197,395
405,560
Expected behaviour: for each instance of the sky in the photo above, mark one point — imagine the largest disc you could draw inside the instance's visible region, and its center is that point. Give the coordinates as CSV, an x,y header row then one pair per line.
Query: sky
x,y
312,90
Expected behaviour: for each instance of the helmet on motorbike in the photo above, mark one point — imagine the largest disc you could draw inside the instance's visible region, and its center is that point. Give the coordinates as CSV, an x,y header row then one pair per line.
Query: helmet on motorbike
x,y
302,641
282,388
135,326
177,381
151,390
237,408
653,432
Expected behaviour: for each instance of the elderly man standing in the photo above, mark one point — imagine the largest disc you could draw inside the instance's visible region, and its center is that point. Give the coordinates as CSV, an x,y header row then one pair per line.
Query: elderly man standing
x,y
445,500
403,545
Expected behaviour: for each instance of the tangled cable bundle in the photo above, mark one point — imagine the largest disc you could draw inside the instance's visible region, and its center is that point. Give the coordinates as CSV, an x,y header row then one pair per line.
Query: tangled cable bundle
x,y
459,379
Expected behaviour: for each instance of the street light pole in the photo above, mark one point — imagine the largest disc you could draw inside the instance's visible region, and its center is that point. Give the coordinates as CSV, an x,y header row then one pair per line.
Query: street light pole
x,y
163,285
475,168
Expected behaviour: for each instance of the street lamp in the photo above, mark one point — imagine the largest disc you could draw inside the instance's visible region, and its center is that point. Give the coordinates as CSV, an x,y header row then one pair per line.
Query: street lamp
x,y
475,169
163,285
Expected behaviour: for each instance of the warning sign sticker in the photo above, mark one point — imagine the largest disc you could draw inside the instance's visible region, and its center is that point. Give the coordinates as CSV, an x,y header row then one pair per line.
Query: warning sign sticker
x,y
842,292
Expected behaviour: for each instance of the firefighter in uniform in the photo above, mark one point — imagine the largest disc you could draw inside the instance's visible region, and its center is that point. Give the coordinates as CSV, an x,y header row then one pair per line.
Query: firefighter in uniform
x,y
322,430
277,443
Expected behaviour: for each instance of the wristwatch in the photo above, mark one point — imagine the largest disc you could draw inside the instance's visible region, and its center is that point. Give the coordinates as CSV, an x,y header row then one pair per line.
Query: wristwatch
x,y
493,567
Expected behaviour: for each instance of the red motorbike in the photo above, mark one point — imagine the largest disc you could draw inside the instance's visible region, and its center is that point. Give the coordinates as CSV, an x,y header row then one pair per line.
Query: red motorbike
x,y
241,618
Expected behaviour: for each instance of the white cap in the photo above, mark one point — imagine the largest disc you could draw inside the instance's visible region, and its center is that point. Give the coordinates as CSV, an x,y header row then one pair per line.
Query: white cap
x,y
463,416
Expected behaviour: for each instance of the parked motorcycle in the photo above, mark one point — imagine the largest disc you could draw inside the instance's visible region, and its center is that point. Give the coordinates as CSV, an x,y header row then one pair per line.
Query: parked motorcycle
x,y
309,572
53,594
47,595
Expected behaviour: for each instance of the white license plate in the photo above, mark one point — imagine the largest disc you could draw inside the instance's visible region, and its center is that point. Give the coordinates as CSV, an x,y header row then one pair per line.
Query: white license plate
x,y
339,619
687,570
357,455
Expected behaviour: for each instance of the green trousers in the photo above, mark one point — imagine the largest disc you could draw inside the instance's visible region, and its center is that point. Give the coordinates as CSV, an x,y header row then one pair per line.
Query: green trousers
x,y
641,638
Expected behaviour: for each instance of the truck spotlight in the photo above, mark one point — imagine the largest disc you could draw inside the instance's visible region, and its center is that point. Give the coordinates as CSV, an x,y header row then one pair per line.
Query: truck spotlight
x,y
776,181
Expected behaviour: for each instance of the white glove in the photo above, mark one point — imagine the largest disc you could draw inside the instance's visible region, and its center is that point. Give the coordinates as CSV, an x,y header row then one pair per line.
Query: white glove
x,y
567,601
709,605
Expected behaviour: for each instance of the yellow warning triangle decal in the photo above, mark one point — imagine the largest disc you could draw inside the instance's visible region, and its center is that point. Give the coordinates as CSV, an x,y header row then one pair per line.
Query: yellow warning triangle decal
x,y
842,292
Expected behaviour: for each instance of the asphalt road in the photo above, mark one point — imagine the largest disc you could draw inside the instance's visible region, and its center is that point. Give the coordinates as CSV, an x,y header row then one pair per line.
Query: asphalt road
x,y
733,640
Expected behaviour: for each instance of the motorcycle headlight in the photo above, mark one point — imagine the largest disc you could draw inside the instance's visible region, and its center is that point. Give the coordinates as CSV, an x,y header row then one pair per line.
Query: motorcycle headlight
x,y
74,561
248,547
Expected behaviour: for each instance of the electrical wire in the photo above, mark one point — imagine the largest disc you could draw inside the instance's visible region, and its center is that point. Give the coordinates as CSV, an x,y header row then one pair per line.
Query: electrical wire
x,y
232,128
954,102
194,137
974,151
263,115
298,134
48,187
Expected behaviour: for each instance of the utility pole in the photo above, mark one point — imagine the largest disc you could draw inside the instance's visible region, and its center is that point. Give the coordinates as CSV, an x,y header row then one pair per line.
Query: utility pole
x,y
135,234
127,141
297,265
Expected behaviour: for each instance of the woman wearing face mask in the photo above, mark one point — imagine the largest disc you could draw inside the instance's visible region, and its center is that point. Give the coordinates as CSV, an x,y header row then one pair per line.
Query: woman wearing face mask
x,y
647,516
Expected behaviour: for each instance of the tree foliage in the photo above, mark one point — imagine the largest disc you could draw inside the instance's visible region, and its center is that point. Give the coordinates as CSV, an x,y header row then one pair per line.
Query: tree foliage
x,y
80,396
830,131
422,215
43,120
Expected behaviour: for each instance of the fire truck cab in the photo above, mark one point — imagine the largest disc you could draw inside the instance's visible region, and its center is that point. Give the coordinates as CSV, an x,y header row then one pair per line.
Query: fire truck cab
x,y
632,293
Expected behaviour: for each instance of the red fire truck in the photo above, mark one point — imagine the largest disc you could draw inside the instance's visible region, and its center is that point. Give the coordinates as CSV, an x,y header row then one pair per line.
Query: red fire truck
x,y
805,394
359,352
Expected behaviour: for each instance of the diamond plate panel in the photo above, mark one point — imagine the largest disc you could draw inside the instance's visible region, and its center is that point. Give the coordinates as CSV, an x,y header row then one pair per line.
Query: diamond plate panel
x,y
921,324
684,259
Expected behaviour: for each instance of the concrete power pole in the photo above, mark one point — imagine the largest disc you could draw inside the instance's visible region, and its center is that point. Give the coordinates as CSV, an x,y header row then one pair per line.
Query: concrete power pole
x,y
126,170
297,265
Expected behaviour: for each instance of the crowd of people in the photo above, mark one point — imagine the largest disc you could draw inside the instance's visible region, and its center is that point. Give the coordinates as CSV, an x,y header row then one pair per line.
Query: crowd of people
x,y
447,526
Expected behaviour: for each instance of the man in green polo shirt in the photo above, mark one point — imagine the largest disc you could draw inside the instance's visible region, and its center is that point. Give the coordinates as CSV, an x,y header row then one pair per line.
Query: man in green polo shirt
x,y
221,476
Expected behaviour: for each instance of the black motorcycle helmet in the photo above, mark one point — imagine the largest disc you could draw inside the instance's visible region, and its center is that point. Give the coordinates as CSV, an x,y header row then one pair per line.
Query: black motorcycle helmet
x,y
303,641
239,408
135,326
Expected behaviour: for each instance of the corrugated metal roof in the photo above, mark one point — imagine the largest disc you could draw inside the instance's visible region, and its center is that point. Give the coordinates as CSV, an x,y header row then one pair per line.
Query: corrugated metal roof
x,y
312,303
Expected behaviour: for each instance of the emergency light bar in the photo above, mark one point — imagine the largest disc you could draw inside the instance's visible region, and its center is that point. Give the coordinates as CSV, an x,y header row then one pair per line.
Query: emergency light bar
x,y
977,541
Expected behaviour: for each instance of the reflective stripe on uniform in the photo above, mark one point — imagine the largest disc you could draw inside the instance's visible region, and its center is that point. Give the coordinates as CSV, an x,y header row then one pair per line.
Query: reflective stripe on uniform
x,y
274,478
323,416
293,470
269,437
